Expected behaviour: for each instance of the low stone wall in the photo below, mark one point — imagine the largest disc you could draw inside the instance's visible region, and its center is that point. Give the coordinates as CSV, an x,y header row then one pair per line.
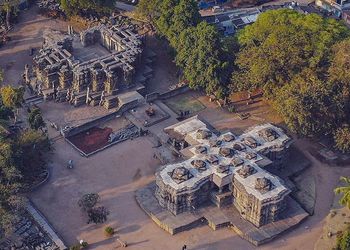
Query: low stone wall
x,y
134,134
100,120
43,223
171,93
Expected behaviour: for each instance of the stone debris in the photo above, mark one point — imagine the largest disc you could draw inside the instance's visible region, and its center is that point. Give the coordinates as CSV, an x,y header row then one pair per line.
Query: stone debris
x,y
126,133
28,235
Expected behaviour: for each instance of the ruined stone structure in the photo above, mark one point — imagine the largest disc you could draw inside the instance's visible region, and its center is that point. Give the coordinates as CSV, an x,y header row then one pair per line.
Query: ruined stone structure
x,y
226,169
91,68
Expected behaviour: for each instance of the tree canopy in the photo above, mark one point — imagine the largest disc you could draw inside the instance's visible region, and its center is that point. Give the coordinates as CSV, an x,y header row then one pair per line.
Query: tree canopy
x,y
199,55
21,158
72,7
342,139
148,9
201,52
297,61
280,45
12,97
345,191
35,119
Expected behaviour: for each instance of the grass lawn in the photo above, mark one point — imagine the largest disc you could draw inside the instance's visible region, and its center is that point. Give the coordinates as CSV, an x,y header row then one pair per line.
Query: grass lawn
x,y
185,102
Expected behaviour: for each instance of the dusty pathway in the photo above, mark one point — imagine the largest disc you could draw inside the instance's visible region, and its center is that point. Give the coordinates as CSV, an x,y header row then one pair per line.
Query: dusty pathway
x,y
25,35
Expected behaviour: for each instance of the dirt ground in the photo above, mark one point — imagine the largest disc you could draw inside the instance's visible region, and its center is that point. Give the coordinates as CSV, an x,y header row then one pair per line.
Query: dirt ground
x,y
117,171
165,71
114,173
92,139
337,221
25,35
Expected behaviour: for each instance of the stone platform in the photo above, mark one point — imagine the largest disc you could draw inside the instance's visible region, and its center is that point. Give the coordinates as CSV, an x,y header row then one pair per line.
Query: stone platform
x,y
217,218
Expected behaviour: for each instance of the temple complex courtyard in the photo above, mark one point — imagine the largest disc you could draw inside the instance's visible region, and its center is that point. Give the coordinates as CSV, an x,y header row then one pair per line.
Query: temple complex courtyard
x,y
118,171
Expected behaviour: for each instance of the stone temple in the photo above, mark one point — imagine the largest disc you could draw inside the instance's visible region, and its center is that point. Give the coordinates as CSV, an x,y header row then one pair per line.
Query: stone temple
x,y
88,68
226,169
224,179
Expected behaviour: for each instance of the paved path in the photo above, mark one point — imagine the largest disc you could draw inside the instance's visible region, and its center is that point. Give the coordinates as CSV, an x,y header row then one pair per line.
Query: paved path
x,y
124,6
41,220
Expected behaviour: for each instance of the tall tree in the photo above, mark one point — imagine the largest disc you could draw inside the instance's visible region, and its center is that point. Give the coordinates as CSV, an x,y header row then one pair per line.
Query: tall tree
x,y
73,7
186,14
12,97
9,186
339,74
8,6
342,139
345,191
149,9
280,44
164,21
35,119
307,104
198,54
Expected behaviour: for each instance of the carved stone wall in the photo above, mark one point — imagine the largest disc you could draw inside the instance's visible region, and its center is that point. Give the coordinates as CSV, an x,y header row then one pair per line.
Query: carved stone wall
x,y
177,201
254,210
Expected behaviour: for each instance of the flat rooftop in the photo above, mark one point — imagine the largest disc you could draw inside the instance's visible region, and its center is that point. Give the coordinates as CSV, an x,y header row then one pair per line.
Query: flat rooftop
x,y
247,157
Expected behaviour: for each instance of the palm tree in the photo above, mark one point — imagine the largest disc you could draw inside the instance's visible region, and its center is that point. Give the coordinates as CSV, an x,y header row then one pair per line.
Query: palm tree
x,y
345,190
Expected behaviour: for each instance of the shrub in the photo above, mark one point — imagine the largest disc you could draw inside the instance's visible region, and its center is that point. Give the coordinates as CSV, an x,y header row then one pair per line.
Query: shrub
x,y
75,247
231,108
97,215
88,201
84,244
342,139
343,241
109,231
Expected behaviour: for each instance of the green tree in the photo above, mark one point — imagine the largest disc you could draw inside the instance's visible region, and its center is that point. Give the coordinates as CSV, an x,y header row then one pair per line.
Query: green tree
x,y
8,6
149,9
307,104
339,74
10,201
35,119
32,147
12,97
166,13
342,139
176,16
281,44
5,112
73,7
343,241
199,55
186,14
345,191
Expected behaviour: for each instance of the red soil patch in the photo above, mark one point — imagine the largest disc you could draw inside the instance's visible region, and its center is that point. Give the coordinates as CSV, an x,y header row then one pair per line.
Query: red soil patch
x,y
91,140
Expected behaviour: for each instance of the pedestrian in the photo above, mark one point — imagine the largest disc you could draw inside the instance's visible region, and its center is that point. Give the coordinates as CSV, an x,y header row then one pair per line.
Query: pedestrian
x,y
184,247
